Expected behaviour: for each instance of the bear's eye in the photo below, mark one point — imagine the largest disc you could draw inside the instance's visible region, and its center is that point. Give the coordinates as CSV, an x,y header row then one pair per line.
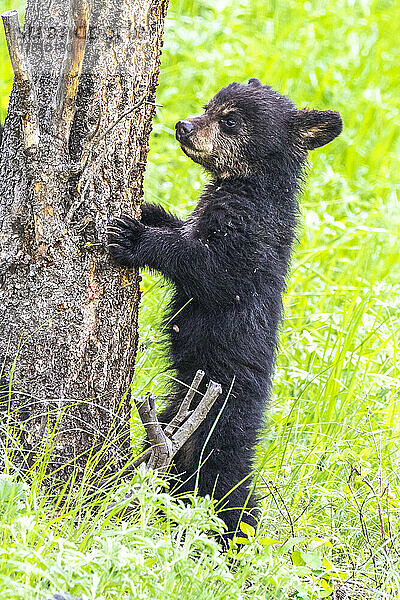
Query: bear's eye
x,y
229,122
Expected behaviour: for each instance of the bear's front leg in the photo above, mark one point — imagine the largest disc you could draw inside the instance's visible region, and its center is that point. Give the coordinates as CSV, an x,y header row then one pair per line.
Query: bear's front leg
x,y
133,244
155,216
196,267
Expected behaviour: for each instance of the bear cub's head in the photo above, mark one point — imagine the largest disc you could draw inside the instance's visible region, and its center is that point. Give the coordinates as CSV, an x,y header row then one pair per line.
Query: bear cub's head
x,y
249,129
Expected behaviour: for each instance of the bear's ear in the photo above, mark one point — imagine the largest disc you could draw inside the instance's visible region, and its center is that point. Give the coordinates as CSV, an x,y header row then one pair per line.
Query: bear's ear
x,y
315,128
255,82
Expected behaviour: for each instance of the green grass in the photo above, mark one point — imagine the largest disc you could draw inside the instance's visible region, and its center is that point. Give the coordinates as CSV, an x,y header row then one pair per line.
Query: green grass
x,y
328,462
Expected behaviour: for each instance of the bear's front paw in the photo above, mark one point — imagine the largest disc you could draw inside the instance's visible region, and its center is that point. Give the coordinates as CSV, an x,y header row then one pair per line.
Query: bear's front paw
x,y
124,236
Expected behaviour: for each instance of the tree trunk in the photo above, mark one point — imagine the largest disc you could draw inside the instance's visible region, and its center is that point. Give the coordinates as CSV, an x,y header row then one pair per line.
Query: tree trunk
x,y
73,156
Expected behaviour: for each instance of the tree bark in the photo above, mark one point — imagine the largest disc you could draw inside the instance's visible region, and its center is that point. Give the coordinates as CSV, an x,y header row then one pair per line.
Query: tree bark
x,y
72,156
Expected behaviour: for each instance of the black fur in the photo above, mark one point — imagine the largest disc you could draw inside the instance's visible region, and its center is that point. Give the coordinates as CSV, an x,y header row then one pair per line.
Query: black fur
x,y
228,262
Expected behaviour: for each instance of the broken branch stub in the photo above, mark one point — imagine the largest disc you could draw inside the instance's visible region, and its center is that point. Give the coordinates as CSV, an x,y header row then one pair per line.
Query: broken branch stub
x,y
183,411
161,447
214,390
23,80
71,68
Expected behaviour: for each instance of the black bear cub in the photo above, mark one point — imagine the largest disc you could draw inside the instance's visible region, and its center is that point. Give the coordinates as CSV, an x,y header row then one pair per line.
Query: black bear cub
x,y
228,262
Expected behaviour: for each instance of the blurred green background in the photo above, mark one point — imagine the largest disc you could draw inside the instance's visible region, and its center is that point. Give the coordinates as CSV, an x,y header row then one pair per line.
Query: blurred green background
x,y
336,403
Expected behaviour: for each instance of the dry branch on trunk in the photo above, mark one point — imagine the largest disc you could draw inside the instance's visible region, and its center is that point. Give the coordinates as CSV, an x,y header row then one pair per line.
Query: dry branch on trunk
x,y
165,443
23,79
68,317
71,68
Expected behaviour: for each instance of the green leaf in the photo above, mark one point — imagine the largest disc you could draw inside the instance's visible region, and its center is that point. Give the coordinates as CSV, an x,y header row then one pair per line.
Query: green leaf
x,y
325,585
292,542
269,541
11,490
316,542
247,529
150,562
327,563
241,540
312,560
297,559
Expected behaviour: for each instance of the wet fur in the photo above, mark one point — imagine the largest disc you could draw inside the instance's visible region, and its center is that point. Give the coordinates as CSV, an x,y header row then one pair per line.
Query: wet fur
x,y
229,261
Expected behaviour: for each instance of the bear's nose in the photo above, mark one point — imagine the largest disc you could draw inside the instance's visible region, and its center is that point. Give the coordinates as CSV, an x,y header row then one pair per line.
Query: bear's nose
x,y
183,129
